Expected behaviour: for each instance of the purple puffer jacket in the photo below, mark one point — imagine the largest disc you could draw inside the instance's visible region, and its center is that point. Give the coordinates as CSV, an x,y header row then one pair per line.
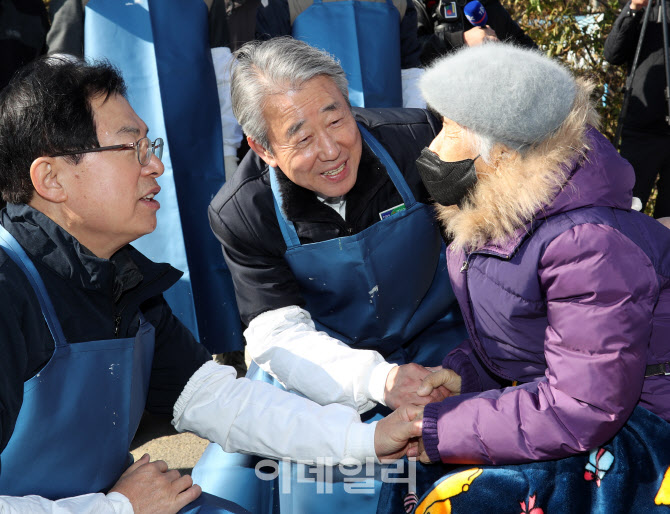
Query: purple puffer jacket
x,y
573,307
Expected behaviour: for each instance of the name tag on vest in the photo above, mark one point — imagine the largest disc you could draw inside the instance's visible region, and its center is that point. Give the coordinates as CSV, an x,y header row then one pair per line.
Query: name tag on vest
x,y
391,211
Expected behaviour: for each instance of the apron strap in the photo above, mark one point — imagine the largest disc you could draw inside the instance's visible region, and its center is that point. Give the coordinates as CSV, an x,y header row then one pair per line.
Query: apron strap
x,y
391,167
14,250
287,227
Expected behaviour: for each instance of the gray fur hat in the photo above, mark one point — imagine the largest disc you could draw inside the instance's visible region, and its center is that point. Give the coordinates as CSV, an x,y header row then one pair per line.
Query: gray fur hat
x,y
501,92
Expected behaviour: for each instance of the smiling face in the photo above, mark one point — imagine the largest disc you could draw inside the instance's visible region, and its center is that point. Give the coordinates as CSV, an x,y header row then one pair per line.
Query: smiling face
x,y
313,137
109,194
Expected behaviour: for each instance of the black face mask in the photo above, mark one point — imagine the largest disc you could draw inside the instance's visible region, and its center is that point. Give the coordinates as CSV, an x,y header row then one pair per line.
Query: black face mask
x,y
447,182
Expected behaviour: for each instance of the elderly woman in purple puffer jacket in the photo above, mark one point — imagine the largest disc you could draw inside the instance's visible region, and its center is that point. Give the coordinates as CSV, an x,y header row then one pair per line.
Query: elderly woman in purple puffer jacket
x,y
561,395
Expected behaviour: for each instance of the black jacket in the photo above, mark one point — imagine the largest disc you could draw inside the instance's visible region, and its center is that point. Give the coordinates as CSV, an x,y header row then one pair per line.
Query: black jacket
x,y
648,108
438,36
243,218
23,30
94,299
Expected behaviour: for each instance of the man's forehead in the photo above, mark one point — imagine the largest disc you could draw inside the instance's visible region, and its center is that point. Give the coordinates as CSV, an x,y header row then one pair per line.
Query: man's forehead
x,y
295,127
115,115
290,109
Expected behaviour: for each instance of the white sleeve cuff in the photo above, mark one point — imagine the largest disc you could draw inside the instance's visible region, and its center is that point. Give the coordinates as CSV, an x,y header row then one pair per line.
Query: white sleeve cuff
x,y
98,503
120,503
254,417
193,386
377,384
360,442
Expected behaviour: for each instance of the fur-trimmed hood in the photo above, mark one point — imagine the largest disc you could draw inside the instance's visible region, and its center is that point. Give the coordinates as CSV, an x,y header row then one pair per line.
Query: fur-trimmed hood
x,y
576,167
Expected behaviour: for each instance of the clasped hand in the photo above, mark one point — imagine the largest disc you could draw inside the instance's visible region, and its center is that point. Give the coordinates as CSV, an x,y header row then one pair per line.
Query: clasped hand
x,y
416,385
408,389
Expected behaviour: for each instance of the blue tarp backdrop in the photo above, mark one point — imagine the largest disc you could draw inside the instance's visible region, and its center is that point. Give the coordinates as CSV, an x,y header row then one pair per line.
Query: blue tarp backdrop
x,y
165,58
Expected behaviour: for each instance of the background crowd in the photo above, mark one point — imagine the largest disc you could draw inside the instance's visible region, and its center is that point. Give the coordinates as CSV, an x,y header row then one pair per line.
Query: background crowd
x,y
573,31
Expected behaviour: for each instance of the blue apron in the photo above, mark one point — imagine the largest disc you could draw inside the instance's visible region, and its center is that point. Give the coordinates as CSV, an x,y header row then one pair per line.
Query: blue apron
x,y
162,48
80,412
365,37
351,285
385,288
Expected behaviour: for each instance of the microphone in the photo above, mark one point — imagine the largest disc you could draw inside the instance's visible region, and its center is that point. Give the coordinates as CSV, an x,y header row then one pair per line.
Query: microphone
x,y
476,14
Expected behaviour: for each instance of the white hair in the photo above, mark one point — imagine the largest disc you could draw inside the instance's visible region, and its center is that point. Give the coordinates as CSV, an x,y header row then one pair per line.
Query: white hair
x,y
279,65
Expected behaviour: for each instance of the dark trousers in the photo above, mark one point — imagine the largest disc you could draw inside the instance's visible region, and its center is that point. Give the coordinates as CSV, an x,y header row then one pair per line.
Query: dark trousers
x,y
650,156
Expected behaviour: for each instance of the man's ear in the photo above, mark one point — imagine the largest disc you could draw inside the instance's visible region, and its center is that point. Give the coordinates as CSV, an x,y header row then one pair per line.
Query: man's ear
x,y
44,176
262,152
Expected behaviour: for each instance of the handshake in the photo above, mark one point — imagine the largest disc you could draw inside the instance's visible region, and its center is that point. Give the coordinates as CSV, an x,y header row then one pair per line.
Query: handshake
x,y
408,389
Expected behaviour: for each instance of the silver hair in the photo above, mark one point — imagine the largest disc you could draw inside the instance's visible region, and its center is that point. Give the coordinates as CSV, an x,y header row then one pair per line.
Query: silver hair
x,y
275,66
480,143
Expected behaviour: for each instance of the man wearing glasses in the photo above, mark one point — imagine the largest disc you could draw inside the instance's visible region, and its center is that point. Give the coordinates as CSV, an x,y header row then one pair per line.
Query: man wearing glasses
x,y
87,341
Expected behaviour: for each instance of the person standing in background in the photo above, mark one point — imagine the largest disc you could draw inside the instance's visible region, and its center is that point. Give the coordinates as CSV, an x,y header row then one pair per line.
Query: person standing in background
x,y
443,27
645,138
23,28
374,41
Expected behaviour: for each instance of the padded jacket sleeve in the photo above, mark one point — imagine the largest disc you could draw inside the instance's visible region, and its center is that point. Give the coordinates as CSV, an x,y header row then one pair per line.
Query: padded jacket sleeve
x,y
254,251
600,291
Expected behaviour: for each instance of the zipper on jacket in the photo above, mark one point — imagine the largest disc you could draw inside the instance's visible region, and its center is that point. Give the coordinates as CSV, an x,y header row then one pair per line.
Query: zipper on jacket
x,y
124,303
472,332
117,324
466,263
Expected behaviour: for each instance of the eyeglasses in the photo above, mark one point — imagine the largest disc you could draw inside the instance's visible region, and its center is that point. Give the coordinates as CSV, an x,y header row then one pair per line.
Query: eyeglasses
x,y
144,148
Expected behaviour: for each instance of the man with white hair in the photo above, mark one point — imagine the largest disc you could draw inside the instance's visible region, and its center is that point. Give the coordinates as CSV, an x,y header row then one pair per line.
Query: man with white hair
x,y
337,262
